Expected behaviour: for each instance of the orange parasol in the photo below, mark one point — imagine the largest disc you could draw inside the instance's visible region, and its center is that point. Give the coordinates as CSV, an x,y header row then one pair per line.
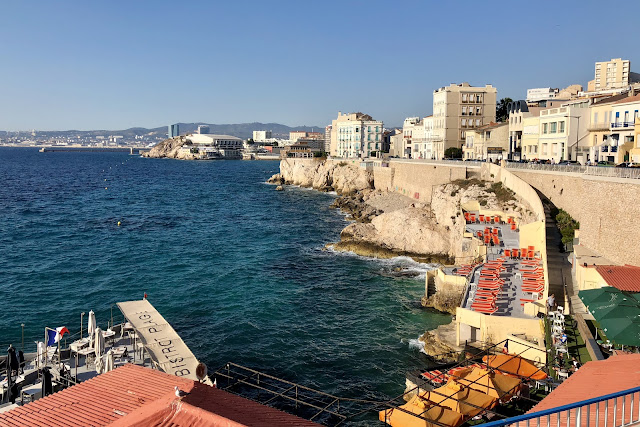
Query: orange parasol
x,y
514,365
418,413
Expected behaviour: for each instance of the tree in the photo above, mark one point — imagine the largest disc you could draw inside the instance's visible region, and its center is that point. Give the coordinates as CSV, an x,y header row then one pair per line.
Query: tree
x,y
453,153
502,114
250,141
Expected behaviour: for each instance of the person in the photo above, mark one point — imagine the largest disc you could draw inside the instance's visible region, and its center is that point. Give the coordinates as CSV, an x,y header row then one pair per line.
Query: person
x,y
551,302
575,365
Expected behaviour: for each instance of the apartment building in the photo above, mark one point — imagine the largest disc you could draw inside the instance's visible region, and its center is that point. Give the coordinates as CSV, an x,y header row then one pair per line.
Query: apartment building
x,y
489,142
459,108
412,132
518,111
621,139
396,142
327,139
261,135
612,74
355,135
530,138
560,132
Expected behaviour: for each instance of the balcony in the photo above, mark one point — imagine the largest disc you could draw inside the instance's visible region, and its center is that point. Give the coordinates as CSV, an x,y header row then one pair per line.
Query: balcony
x,y
621,125
592,127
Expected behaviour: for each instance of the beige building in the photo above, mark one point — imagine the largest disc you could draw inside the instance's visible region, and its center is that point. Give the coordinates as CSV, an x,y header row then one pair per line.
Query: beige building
x,y
634,153
621,139
530,137
396,142
612,74
355,135
459,108
489,142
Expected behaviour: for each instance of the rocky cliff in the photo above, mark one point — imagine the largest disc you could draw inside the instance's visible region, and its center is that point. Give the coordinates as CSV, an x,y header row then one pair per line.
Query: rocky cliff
x,y
389,224
323,175
171,149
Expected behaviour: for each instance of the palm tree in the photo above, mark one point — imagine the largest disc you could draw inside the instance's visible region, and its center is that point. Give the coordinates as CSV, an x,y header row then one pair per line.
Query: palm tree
x,y
502,114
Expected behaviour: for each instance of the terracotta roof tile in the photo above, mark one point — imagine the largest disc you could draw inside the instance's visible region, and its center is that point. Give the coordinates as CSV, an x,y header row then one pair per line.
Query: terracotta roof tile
x,y
594,379
132,395
623,277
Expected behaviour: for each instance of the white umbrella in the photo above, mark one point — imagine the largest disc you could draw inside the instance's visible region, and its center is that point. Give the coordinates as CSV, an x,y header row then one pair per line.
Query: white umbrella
x,y
98,343
108,366
91,325
41,353
99,365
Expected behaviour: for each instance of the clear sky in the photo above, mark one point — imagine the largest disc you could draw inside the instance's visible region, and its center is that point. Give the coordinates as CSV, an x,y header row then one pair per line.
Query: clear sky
x,y
118,64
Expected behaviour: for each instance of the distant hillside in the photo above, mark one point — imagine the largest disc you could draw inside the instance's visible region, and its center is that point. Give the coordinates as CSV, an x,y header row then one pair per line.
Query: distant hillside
x,y
241,130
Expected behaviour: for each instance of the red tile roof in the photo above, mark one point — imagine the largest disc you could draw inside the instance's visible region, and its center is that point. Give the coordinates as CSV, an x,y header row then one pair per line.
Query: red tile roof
x,y
623,277
595,379
133,395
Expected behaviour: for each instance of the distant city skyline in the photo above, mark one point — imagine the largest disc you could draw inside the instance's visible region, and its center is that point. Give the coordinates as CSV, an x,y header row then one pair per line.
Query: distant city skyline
x,y
119,65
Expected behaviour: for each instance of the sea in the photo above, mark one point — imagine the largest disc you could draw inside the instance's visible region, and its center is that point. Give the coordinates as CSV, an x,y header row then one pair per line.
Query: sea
x,y
240,270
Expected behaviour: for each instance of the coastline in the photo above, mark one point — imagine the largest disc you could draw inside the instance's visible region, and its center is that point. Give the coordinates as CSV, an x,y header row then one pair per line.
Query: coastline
x,y
386,224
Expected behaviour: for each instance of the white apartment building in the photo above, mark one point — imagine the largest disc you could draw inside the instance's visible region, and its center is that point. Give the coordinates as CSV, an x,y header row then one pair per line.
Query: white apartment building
x,y
541,94
458,108
412,130
560,132
355,135
261,135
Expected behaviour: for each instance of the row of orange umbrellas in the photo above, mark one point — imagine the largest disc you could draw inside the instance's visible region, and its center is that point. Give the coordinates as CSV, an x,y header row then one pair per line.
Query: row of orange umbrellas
x,y
467,394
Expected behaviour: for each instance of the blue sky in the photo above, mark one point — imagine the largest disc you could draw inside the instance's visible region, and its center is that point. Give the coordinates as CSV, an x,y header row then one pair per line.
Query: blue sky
x,y
118,64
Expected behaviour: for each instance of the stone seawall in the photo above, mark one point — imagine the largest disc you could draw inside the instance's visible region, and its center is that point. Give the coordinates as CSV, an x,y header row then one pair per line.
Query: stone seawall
x,y
606,208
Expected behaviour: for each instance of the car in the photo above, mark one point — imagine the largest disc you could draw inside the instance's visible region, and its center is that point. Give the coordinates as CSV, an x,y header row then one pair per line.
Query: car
x,y
602,163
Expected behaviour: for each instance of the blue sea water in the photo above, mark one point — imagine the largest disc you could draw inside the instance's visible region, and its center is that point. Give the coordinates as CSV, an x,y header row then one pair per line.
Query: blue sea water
x,y
237,268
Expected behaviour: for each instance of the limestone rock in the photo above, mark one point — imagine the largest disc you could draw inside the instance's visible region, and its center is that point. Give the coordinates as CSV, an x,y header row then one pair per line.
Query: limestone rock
x,y
279,188
324,174
172,149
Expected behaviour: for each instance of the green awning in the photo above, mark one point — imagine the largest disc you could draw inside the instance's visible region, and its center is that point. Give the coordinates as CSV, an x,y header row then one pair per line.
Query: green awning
x,y
617,313
622,331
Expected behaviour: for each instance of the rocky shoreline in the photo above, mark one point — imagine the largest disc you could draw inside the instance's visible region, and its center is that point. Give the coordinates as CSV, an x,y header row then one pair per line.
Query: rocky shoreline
x,y
388,224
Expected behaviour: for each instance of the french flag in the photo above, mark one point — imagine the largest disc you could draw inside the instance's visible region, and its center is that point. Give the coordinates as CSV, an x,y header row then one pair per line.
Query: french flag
x,y
53,336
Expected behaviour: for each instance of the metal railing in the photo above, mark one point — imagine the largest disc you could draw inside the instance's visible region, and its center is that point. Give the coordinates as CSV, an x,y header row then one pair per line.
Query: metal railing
x,y
612,410
622,124
613,172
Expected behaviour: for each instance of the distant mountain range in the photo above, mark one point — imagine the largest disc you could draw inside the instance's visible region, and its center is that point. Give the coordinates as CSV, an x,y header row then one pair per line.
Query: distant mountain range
x,y
241,130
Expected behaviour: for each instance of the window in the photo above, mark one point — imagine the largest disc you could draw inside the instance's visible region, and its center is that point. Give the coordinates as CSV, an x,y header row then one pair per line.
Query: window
x,y
464,111
561,127
369,129
554,127
464,122
477,122
545,128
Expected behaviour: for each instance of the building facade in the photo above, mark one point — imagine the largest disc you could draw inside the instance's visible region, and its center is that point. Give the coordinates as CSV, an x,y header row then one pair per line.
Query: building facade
x,y
262,135
173,131
621,138
459,108
327,139
560,132
488,143
355,135
212,146
612,74
412,131
203,129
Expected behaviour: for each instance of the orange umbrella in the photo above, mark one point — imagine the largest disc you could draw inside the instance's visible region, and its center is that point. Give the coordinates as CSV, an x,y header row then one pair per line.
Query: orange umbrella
x,y
514,365
461,399
492,383
419,413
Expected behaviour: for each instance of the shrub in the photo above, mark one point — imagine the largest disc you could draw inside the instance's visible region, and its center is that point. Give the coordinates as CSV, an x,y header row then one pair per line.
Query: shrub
x,y
567,226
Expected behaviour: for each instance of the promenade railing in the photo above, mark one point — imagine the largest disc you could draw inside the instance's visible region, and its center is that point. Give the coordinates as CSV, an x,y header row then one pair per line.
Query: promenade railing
x,y
612,172
612,410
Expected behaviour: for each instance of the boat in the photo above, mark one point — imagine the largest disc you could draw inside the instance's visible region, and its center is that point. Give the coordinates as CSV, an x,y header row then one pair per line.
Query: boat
x,y
140,336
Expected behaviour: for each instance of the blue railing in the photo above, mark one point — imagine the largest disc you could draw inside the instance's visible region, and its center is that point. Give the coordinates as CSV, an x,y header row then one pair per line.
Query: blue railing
x,y
622,124
580,413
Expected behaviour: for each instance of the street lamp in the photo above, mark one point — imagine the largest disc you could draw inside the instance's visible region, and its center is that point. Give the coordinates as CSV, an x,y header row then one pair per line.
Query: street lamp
x,y
577,132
